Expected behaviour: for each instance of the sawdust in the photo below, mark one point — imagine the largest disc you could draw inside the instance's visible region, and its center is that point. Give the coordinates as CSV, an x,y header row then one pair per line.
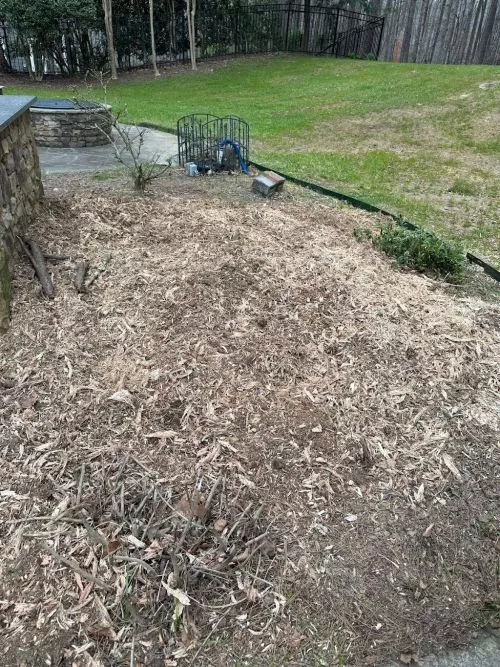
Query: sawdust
x,y
253,441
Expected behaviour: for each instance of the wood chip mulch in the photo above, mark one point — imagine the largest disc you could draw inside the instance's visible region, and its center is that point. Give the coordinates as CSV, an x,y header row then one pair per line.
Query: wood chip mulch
x,y
251,441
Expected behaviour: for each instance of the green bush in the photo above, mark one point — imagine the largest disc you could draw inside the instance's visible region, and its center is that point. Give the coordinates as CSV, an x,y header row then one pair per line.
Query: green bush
x,y
421,250
38,24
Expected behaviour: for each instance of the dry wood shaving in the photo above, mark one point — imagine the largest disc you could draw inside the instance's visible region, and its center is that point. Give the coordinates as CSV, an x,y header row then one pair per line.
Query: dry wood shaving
x,y
251,428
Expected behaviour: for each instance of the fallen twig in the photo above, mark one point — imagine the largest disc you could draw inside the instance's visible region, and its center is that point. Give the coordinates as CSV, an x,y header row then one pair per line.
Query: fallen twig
x,y
207,638
80,484
136,561
76,568
36,257
211,497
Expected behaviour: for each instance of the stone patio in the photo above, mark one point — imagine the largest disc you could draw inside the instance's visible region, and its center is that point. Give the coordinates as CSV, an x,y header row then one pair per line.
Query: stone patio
x,y
72,160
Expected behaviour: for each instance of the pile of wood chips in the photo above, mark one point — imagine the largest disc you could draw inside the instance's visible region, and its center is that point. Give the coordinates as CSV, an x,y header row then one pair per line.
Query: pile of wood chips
x,y
253,441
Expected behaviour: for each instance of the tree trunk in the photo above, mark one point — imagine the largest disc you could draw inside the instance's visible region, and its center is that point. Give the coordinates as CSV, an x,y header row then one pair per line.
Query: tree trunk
x,y
108,23
191,21
193,34
4,64
27,59
153,45
172,30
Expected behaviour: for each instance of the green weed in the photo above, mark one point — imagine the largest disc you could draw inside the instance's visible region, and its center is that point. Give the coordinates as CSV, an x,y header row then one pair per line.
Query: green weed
x,y
108,174
362,234
421,250
461,187
489,614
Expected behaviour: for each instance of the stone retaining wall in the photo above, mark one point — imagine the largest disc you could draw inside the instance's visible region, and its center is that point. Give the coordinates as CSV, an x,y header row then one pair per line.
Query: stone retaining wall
x,y
71,128
20,179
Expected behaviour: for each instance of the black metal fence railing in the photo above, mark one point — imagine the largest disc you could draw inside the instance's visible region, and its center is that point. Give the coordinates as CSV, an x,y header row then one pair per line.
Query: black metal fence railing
x,y
73,48
290,27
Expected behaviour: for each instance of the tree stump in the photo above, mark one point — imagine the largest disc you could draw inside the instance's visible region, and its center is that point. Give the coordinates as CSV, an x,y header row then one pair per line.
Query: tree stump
x,y
4,290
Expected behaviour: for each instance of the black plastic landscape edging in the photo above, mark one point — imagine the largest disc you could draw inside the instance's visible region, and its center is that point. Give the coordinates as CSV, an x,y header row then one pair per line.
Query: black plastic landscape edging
x,y
365,206
354,201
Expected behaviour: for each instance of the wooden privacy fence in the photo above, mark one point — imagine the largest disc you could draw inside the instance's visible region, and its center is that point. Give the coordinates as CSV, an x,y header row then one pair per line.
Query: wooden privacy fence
x,y
439,31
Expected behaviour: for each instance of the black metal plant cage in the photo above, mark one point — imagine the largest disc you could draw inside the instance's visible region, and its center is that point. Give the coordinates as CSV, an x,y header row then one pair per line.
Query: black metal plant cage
x,y
213,143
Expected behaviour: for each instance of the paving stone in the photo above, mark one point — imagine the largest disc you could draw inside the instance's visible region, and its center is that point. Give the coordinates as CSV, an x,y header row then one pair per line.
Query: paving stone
x,y
483,652
267,183
97,158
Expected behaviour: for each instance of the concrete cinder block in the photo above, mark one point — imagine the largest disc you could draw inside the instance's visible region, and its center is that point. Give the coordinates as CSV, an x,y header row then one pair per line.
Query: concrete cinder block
x,y
267,183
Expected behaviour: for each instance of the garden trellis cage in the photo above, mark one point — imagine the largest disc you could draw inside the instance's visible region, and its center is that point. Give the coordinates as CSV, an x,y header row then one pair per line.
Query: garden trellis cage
x,y
213,143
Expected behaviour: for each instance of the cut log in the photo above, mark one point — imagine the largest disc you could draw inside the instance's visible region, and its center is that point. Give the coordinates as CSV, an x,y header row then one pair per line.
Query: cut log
x,y
36,257
4,291
81,272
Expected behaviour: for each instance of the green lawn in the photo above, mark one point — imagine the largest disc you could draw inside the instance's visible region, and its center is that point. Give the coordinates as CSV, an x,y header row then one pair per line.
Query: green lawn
x,y
420,140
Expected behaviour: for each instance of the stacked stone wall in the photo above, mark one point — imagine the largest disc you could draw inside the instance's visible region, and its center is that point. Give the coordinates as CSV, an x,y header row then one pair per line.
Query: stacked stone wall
x,y
75,128
20,180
